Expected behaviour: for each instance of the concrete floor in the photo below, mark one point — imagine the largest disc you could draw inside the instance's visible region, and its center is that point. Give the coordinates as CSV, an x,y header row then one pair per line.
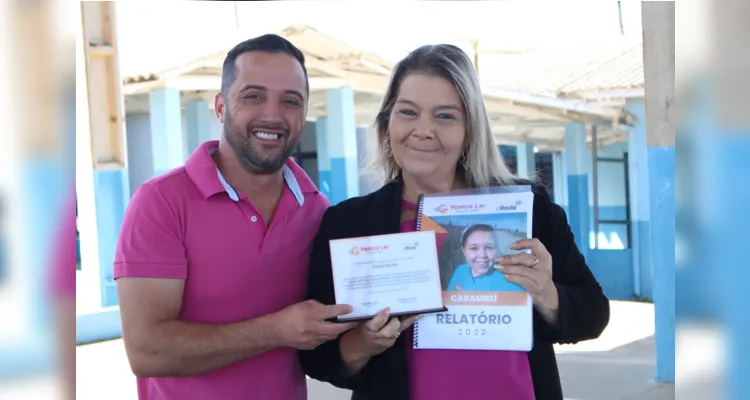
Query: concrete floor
x,y
618,366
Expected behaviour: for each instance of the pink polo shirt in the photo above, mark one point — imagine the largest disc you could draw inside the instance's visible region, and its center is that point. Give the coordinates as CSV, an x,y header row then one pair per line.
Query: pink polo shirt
x,y
190,224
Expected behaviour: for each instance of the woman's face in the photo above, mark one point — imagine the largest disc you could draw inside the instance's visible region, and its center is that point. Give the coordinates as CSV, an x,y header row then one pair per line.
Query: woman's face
x,y
427,126
479,251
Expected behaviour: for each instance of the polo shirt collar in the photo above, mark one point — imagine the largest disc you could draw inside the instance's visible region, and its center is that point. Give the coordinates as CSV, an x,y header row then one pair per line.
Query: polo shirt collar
x,y
206,176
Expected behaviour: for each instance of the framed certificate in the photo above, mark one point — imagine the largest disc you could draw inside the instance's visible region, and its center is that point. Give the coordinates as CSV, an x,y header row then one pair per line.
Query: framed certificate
x,y
399,271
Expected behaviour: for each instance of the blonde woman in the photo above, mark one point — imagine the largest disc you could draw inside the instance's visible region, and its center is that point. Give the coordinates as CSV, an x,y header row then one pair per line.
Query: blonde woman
x,y
435,136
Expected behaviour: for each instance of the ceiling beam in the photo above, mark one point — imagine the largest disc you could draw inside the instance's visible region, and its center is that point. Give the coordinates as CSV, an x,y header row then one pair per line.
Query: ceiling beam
x,y
602,95
552,103
540,143
496,106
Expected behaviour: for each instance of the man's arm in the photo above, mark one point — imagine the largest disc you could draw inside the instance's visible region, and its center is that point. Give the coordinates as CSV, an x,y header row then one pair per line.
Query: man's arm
x,y
158,344
151,267
150,270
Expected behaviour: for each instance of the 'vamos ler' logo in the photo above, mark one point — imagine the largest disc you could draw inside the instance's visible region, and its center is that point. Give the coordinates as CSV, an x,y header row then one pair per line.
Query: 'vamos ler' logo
x,y
461,208
357,250
442,209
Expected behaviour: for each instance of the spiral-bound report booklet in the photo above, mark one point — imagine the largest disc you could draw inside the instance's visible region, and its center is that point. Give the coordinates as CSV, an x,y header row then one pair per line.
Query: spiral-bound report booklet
x,y
473,229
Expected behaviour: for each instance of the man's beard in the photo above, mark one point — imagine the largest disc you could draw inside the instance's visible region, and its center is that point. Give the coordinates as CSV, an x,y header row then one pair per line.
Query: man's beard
x,y
241,143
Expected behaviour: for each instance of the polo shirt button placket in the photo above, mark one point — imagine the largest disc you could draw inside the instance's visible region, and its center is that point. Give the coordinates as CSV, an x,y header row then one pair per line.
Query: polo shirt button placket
x,y
254,218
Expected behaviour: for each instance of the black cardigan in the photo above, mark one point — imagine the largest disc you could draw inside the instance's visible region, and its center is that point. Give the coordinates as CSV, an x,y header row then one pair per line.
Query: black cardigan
x,y
584,310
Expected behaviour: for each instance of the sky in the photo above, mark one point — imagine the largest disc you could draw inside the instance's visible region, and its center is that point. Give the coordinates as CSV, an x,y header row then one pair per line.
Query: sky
x,y
158,34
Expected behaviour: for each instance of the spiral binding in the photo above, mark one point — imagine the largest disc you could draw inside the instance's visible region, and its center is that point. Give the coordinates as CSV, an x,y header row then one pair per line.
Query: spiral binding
x,y
420,206
416,334
418,221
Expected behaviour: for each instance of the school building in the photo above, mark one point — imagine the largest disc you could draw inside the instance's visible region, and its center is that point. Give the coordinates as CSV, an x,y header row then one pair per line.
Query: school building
x,y
584,133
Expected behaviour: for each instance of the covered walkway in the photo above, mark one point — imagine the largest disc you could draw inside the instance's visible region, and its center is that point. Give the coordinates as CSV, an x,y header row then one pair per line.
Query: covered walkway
x,y
586,134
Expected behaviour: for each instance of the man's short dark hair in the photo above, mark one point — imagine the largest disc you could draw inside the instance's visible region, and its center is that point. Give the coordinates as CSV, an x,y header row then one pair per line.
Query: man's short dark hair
x,y
269,43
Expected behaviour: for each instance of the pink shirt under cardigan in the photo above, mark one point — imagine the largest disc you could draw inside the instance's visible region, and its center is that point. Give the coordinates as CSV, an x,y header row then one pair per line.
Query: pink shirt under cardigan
x,y
465,374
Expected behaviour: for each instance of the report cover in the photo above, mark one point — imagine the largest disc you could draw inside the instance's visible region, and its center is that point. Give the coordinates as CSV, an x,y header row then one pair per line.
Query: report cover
x,y
474,229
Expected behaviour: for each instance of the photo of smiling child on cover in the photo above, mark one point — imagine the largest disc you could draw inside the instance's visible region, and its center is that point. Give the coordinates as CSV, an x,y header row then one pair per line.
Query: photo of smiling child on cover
x,y
470,255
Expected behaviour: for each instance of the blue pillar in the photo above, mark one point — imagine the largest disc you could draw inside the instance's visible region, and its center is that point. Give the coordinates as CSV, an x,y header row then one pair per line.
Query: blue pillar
x,y
658,19
713,217
560,180
661,166
577,163
661,161
342,144
198,124
40,190
640,208
324,158
727,218
525,159
167,144
112,194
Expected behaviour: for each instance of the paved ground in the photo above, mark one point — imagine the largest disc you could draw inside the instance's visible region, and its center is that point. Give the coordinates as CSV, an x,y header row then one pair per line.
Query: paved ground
x,y
618,366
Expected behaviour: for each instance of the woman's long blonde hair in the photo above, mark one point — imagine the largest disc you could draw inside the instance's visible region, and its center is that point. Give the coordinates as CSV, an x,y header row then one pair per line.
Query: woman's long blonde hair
x,y
482,165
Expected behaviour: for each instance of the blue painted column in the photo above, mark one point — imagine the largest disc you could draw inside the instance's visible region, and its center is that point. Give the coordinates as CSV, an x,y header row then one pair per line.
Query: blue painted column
x,y
324,159
112,193
198,124
342,144
167,144
640,206
727,164
525,159
713,216
659,78
577,164
559,179
661,160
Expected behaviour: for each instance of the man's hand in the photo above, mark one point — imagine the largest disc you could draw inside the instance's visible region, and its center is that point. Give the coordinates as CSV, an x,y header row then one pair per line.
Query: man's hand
x,y
303,325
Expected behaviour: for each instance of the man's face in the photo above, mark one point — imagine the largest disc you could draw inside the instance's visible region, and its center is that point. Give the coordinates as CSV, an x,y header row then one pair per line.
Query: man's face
x,y
264,110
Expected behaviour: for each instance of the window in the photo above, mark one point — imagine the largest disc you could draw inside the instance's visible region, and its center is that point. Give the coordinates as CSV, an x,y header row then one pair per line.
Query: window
x,y
543,164
308,160
610,218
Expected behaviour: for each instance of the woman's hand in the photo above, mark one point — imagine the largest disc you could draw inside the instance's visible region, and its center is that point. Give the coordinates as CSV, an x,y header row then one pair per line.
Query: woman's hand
x,y
533,272
372,338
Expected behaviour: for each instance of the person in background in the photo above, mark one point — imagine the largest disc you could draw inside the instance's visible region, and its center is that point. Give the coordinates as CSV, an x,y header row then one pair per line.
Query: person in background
x,y
212,258
435,136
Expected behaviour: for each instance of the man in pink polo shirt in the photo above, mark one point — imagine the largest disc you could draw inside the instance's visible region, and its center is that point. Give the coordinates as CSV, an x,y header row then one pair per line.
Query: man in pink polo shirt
x,y
212,258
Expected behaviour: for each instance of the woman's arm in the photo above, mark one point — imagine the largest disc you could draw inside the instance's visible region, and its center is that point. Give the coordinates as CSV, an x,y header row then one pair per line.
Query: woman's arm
x,y
583,309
